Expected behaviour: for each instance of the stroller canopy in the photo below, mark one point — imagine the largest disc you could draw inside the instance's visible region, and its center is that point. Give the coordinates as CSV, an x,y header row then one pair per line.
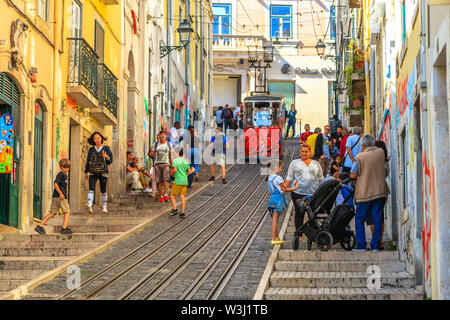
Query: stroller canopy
x,y
325,189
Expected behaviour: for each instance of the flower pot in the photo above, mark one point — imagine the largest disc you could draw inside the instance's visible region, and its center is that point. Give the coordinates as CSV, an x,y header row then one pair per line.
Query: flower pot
x,y
357,103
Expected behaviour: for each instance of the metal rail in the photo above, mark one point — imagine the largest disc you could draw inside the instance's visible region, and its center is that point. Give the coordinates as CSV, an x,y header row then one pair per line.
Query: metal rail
x,y
202,277
141,247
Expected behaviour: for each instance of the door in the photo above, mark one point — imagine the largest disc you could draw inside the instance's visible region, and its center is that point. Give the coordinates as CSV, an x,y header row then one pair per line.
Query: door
x,y
38,159
9,182
99,45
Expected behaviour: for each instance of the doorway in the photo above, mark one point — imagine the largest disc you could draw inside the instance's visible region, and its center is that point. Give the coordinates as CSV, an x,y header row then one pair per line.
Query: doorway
x,y
10,141
38,159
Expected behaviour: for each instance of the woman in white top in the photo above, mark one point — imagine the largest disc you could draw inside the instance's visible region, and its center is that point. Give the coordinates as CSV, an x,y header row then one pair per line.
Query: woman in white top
x,y
308,173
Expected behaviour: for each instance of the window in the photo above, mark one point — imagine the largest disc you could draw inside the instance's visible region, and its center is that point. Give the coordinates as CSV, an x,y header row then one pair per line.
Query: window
x,y
75,29
281,21
42,9
332,23
222,18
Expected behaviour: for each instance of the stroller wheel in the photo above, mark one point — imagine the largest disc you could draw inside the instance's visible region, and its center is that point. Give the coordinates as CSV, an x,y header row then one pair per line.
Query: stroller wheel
x,y
324,241
295,242
309,244
349,242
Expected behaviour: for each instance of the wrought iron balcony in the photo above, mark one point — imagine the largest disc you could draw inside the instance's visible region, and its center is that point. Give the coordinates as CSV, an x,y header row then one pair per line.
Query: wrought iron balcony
x,y
82,83
107,96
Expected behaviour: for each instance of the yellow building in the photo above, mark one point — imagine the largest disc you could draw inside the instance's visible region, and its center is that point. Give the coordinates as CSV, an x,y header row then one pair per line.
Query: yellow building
x,y
87,68
28,43
189,72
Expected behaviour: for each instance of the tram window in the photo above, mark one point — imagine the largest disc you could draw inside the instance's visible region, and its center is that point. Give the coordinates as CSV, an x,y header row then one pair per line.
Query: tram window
x,y
262,117
248,112
275,112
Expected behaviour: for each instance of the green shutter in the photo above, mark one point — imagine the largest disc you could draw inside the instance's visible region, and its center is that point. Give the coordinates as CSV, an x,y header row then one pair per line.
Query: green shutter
x,y
283,88
9,185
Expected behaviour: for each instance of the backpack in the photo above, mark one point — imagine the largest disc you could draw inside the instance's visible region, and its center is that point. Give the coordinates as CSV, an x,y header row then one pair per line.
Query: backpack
x,y
97,164
227,113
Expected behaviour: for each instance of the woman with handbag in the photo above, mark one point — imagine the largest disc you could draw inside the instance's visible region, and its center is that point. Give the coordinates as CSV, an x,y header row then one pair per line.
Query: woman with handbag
x,y
97,162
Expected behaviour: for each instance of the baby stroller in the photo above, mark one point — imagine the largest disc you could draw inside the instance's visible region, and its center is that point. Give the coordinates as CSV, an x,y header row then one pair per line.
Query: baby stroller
x,y
333,228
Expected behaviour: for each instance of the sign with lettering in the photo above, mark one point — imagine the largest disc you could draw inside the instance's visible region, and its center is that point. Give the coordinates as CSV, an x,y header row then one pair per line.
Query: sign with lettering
x,y
6,143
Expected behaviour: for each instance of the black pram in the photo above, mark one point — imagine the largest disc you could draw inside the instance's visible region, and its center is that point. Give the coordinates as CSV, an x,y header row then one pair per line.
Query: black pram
x,y
333,229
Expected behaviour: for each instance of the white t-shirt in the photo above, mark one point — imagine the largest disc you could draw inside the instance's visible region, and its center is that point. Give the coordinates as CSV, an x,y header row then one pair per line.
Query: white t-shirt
x,y
276,180
174,137
163,151
308,176
237,110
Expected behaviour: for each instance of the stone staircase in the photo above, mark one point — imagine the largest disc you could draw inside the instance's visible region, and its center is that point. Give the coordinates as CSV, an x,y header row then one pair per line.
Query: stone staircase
x,y
338,274
28,255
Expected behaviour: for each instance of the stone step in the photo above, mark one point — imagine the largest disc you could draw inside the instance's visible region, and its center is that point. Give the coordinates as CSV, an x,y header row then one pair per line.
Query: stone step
x,y
49,244
288,279
48,252
7,285
95,228
32,263
337,266
144,214
342,294
102,236
20,274
96,220
335,255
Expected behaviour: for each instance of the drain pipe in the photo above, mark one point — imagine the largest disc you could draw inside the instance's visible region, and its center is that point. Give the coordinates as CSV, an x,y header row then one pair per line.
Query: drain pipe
x,y
55,74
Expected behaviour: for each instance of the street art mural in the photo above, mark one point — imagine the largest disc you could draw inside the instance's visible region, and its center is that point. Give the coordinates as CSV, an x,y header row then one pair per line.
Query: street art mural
x,y
406,119
6,143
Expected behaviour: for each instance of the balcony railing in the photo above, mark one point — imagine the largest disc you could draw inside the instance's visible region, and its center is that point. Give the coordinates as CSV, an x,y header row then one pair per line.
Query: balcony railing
x,y
237,42
83,68
107,89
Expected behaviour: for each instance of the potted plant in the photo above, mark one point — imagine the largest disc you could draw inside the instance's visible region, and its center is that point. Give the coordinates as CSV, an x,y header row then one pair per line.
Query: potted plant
x,y
357,102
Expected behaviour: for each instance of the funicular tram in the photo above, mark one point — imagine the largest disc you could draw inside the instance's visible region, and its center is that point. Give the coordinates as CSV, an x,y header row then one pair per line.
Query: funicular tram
x,y
264,117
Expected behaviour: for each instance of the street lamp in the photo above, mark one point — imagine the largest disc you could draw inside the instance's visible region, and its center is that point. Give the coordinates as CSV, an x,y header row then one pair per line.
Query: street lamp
x,y
320,47
184,31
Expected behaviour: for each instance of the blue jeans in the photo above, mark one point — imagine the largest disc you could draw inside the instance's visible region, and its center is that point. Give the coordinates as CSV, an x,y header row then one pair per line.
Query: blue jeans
x,y
376,209
291,124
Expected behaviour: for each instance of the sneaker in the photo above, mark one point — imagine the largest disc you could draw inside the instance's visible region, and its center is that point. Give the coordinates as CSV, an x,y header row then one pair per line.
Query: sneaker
x,y
174,212
182,215
161,199
147,190
212,179
224,181
166,197
105,210
374,250
134,190
358,250
89,207
39,229
66,231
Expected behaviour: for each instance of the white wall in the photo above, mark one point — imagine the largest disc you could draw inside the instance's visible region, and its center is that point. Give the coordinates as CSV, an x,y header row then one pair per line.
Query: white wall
x,y
224,91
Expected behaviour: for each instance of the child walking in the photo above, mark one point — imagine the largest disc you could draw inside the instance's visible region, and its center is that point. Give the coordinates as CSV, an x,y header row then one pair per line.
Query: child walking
x,y
59,199
180,169
277,202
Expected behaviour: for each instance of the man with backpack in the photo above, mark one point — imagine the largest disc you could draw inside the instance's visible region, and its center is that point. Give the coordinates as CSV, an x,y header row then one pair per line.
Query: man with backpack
x,y
353,147
163,161
227,118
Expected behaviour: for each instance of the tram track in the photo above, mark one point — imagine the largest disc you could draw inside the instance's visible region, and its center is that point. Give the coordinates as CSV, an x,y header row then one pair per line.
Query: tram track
x,y
153,272
187,294
122,259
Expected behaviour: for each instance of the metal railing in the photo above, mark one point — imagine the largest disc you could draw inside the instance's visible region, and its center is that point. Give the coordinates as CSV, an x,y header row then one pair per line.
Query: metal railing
x,y
107,89
237,42
83,62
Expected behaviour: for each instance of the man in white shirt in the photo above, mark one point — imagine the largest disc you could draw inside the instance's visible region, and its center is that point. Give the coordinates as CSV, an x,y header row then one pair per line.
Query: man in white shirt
x,y
174,136
237,115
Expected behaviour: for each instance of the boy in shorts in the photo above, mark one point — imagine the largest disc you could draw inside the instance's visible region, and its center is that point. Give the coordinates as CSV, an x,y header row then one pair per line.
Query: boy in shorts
x,y
59,199
180,169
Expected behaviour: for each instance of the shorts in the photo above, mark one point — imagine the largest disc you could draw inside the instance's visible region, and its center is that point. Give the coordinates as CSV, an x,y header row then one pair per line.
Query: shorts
x,y
220,161
178,190
272,210
162,172
57,204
